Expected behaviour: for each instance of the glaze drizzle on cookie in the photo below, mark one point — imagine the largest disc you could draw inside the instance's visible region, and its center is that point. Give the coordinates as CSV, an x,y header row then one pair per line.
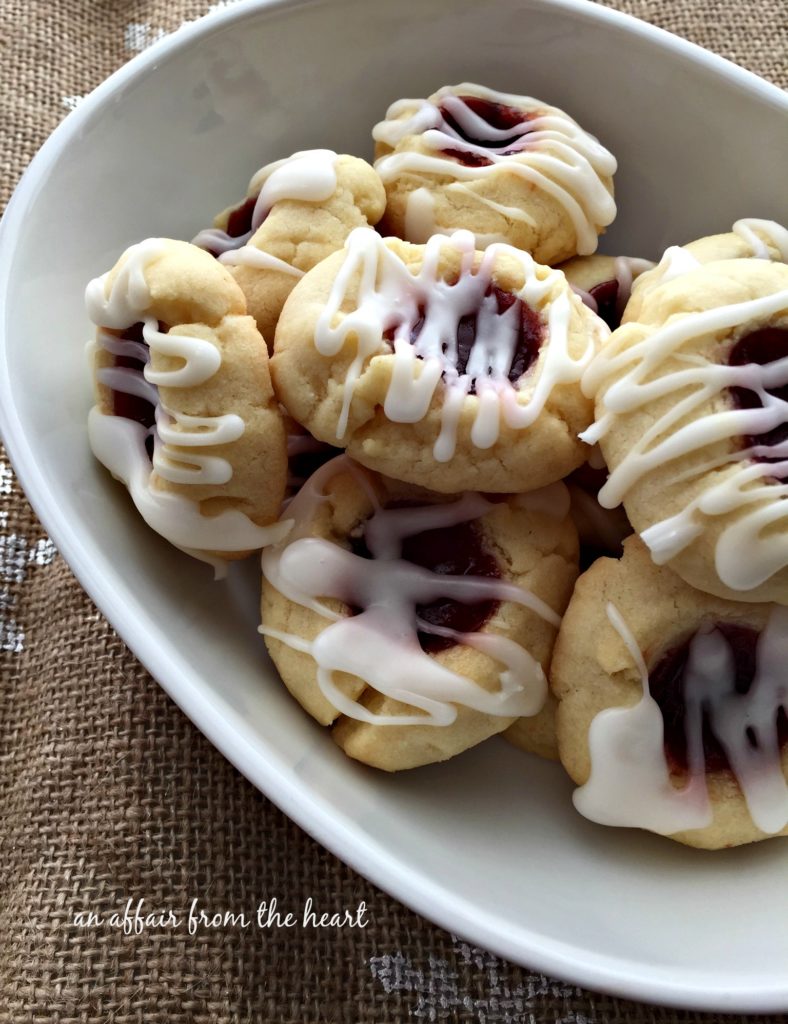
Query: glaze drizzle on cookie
x,y
766,240
750,550
419,316
463,142
308,176
630,782
760,234
120,443
380,643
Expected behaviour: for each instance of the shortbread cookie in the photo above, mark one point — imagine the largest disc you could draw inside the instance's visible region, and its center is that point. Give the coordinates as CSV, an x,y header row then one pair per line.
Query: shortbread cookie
x,y
749,238
509,168
691,418
672,713
604,283
414,624
438,365
296,212
185,415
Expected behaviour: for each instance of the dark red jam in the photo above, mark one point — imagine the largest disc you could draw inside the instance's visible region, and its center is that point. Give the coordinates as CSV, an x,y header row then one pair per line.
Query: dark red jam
x,y
498,116
761,347
606,297
666,682
450,551
240,220
239,224
132,407
529,337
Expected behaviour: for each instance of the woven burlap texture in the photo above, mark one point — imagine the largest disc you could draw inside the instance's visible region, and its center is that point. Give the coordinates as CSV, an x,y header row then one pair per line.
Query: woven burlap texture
x,y
108,793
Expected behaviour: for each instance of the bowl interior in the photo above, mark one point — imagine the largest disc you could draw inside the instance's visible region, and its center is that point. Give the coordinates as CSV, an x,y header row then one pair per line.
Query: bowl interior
x,y
488,844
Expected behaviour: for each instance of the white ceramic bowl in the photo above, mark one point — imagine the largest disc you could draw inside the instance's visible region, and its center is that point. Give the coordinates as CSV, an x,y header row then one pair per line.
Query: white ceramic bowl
x,y
487,845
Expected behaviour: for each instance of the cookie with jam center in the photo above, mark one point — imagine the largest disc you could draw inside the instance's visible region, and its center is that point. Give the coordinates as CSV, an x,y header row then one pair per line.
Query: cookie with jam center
x,y
672,705
440,365
185,414
416,625
605,283
692,419
509,168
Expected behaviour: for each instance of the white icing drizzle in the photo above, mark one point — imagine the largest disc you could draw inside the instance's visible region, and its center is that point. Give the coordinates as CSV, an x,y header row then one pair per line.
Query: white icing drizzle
x,y
751,230
626,270
182,431
420,215
308,176
747,554
585,297
125,380
249,256
119,443
630,783
551,153
392,298
380,643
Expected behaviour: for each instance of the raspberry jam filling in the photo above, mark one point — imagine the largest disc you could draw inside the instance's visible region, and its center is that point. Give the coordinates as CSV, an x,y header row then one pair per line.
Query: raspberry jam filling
x,y
498,116
605,295
240,220
666,683
133,407
761,347
529,335
451,551
239,227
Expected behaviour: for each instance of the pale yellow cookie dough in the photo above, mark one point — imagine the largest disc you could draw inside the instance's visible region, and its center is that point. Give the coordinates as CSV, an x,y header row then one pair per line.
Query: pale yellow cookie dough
x,y
729,245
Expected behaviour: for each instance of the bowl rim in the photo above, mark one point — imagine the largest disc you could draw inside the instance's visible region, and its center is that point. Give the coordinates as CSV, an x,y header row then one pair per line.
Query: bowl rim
x,y
225,729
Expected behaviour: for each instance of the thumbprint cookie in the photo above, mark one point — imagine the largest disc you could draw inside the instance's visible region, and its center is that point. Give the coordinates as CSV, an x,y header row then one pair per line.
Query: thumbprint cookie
x,y
692,419
185,414
440,365
416,625
672,705
604,283
508,168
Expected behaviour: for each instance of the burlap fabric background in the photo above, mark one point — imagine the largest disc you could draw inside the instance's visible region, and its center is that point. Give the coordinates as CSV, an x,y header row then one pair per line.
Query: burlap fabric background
x,y
109,794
